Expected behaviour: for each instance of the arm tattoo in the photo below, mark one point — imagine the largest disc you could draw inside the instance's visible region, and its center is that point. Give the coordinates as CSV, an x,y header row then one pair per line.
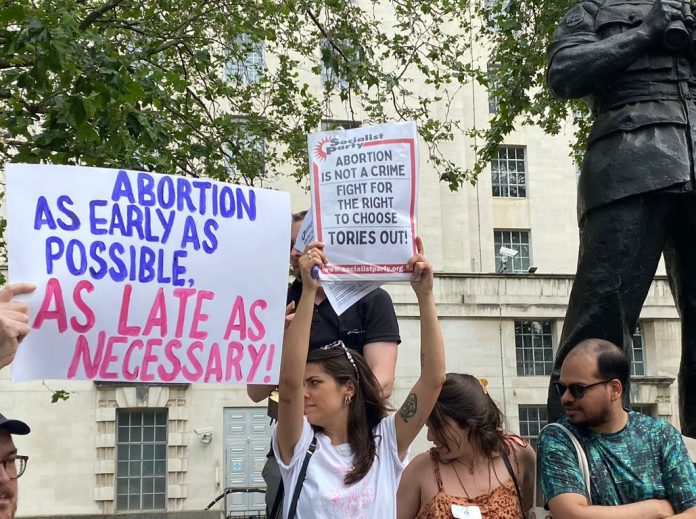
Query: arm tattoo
x,y
285,400
409,407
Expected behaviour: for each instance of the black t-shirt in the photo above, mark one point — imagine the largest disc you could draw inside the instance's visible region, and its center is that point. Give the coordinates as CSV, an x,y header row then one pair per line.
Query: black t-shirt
x,y
371,319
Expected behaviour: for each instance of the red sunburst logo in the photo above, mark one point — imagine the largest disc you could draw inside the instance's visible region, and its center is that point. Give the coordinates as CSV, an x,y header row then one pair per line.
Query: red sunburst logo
x,y
319,148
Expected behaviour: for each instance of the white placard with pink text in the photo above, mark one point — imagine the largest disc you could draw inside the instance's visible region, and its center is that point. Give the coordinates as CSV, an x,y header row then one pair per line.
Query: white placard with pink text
x,y
364,191
143,277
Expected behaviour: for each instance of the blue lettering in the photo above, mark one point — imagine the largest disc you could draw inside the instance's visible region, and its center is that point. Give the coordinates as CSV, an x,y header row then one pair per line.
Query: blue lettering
x,y
94,220
117,222
53,253
146,195
178,271
190,234
209,229
242,203
226,202
62,202
43,215
147,265
203,187
161,278
95,252
120,272
135,220
76,248
122,188
183,192
168,183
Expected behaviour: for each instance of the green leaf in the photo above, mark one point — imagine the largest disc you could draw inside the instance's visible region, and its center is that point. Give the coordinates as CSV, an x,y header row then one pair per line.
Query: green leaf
x,y
15,13
58,395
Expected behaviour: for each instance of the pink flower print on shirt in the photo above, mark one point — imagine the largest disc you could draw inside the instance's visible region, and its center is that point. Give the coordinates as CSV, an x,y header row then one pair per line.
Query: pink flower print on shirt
x,y
352,502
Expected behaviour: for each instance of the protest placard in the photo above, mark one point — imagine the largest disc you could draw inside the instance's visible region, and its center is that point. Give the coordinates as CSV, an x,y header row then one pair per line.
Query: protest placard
x,y
364,191
147,278
341,295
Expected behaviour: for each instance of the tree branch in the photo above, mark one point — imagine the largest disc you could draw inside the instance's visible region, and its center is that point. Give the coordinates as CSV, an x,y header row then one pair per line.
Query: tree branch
x,y
328,38
92,17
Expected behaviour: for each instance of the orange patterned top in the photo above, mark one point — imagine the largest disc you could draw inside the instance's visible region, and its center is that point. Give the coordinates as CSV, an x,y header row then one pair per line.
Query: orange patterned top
x,y
500,503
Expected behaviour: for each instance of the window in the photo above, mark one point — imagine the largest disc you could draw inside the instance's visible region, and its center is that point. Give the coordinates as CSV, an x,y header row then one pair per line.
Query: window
x,y
493,83
494,11
638,357
508,172
533,418
246,152
141,455
533,347
517,240
248,66
646,409
330,76
333,124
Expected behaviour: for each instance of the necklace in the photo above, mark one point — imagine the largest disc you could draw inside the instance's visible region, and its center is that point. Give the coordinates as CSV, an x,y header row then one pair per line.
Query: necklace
x,y
460,482
469,467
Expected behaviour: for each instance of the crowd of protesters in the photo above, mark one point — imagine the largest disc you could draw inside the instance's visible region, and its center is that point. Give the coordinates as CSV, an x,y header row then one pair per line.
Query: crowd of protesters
x,y
339,450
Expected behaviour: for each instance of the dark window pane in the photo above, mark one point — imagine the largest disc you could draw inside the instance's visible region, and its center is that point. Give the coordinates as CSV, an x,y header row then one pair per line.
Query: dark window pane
x,y
160,502
122,502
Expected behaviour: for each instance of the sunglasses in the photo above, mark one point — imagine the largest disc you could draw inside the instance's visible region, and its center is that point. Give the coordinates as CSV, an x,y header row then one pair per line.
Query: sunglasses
x,y
339,344
577,391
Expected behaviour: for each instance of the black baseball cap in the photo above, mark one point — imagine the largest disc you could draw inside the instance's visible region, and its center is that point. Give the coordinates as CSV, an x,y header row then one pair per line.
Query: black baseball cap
x,y
13,426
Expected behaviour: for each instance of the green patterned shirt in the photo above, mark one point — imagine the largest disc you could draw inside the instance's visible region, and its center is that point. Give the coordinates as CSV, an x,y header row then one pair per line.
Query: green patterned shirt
x,y
645,460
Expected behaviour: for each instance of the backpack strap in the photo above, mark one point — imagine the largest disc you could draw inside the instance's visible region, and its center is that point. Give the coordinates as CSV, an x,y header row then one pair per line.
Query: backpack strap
x,y
581,455
300,478
508,466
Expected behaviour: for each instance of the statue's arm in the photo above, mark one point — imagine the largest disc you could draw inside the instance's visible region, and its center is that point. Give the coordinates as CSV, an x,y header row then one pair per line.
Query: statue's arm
x,y
580,69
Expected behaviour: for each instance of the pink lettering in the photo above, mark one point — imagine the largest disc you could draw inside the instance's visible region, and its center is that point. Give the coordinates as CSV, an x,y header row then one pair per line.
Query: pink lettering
x,y
83,307
82,352
257,333
158,315
199,316
123,328
127,373
54,293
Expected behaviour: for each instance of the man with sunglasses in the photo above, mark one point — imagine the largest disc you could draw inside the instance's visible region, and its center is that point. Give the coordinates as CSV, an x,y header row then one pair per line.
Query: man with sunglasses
x,y
639,466
12,464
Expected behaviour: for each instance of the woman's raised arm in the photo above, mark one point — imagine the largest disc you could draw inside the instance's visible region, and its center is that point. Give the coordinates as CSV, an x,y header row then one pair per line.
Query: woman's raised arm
x,y
294,357
419,403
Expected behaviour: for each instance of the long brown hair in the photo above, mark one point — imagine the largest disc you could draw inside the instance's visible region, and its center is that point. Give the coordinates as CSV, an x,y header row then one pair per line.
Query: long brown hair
x,y
367,407
463,400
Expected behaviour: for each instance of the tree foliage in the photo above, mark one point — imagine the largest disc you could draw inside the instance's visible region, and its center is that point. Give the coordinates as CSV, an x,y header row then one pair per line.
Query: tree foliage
x,y
519,33
167,86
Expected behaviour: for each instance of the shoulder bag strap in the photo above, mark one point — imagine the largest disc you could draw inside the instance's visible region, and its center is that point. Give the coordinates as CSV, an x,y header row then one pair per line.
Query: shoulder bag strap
x,y
582,458
514,480
278,501
301,478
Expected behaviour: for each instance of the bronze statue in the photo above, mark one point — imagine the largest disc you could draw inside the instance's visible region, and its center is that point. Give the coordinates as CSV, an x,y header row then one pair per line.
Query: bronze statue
x,y
634,63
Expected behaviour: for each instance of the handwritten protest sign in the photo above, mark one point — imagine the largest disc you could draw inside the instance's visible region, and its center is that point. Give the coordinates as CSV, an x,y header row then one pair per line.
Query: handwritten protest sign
x,y
364,190
147,278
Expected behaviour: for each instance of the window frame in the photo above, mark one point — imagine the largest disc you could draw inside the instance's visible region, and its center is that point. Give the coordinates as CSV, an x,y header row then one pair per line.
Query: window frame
x,y
531,438
492,69
249,66
526,341
520,263
635,364
158,478
501,185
